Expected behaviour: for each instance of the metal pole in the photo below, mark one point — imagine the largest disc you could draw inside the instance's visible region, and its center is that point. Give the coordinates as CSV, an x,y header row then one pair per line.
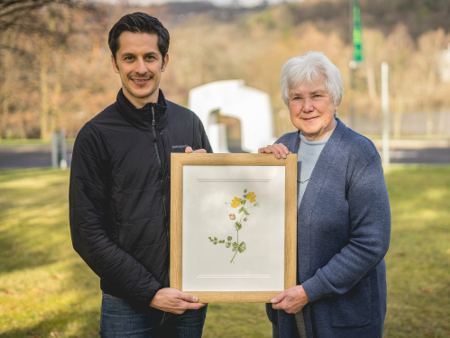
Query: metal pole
x,y
352,66
385,107
55,163
62,140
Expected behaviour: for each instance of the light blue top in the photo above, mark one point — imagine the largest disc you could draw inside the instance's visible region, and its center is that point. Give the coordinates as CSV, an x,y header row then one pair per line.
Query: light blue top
x,y
308,153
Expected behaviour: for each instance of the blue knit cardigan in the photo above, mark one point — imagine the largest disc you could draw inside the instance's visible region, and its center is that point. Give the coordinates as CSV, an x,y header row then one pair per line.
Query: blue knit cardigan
x,y
344,227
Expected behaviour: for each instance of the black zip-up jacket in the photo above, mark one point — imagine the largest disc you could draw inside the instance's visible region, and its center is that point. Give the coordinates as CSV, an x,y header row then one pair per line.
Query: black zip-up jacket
x,y
120,193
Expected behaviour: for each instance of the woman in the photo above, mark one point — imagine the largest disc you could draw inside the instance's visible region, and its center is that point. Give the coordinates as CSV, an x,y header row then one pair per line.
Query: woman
x,y
343,213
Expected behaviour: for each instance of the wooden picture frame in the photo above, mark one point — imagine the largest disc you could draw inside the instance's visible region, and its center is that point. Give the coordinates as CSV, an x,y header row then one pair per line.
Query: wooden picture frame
x,y
202,187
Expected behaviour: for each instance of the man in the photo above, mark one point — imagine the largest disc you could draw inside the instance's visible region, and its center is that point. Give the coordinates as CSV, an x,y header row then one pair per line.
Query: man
x,y
120,186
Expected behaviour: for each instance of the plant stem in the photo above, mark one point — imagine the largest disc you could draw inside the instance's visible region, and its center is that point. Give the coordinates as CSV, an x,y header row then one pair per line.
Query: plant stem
x,y
237,236
237,241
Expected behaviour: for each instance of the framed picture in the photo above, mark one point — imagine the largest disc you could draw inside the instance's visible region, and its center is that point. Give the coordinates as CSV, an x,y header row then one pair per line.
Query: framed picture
x,y
233,226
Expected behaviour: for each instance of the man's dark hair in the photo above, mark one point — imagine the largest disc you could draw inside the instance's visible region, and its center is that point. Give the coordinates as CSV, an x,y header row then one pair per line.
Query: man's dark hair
x,y
139,23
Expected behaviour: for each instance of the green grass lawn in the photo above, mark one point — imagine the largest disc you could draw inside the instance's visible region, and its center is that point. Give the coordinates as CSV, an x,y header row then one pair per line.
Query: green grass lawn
x,y
29,142
46,290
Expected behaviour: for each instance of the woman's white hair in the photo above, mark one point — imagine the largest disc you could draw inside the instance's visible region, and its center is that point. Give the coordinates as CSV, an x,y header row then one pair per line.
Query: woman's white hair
x,y
309,67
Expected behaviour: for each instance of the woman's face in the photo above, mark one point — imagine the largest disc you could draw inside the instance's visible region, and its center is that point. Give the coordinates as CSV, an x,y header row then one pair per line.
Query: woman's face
x,y
312,109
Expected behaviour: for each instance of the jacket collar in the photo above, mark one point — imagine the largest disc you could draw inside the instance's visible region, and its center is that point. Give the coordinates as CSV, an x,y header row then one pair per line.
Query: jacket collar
x,y
143,118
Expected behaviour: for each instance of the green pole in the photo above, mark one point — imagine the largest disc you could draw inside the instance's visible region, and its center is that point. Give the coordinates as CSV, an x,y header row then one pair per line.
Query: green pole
x,y
357,35
357,58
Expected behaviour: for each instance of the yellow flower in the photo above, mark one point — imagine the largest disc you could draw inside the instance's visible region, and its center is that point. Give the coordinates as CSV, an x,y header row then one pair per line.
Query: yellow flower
x,y
235,202
252,197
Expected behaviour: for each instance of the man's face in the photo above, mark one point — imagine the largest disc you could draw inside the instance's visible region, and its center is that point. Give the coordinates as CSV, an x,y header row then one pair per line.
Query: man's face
x,y
139,64
312,109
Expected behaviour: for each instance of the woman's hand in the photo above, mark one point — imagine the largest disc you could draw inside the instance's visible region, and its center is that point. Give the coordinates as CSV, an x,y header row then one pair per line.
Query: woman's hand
x,y
291,300
278,149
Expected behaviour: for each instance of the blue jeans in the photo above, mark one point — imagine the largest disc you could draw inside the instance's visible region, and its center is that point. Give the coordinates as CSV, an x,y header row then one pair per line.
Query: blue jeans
x,y
119,320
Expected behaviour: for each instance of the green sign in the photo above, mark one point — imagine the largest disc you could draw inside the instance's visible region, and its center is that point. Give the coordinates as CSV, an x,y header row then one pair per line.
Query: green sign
x,y
357,35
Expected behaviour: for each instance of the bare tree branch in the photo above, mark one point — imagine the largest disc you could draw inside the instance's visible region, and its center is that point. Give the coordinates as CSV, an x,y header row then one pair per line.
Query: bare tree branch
x,y
19,14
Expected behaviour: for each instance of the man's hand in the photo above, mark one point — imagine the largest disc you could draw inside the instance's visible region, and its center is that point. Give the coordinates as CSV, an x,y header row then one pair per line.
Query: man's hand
x,y
175,301
291,300
189,150
278,149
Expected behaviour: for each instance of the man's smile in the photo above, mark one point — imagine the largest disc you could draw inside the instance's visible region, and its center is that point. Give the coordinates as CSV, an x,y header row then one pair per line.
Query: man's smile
x,y
140,81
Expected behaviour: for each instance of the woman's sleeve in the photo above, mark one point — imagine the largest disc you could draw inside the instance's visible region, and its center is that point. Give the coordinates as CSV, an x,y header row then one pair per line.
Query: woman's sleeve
x,y
369,237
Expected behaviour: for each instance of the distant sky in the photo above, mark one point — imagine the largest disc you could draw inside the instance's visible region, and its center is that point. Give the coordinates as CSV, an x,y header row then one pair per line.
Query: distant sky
x,y
241,3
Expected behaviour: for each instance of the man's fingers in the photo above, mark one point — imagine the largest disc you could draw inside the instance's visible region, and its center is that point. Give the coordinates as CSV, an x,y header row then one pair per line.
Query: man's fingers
x,y
188,297
194,306
189,150
190,302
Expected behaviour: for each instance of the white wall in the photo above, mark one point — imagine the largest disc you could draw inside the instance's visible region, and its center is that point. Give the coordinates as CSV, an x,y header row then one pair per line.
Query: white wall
x,y
251,106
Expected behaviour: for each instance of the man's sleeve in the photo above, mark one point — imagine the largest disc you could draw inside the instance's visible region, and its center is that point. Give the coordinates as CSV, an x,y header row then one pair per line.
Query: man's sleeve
x,y
89,203
201,133
369,235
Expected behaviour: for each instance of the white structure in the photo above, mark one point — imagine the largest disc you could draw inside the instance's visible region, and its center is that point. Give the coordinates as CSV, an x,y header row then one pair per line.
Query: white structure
x,y
232,98
444,65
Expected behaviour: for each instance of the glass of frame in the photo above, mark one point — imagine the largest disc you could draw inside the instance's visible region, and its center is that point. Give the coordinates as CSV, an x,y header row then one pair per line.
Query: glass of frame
x,y
233,229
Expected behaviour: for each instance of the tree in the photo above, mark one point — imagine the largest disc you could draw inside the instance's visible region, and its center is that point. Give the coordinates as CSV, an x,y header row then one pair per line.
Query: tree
x,y
48,22
19,15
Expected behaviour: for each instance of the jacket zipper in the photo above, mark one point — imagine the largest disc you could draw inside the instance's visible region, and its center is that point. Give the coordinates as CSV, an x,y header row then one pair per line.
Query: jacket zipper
x,y
161,181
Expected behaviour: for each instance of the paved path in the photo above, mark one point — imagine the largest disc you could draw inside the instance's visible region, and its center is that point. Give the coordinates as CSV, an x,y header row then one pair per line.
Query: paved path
x,y
13,157
406,152
420,156
418,151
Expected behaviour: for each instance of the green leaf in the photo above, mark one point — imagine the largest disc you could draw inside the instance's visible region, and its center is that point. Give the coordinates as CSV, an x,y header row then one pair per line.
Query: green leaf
x,y
215,243
245,191
227,245
242,247
238,226
242,209
222,241
215,238
210,239
229,238
256,204
243,202
235,246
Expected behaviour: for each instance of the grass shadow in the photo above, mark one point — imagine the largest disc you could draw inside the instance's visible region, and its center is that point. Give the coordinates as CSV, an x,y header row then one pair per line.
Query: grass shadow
x,y
60,325
33,217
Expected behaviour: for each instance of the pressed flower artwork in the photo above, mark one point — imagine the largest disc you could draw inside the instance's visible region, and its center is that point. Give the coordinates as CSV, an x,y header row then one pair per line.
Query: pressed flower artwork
x,y
242,206
245,251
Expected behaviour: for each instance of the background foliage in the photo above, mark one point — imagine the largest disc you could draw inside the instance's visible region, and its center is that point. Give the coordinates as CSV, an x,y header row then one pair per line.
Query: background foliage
x,y
57,72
